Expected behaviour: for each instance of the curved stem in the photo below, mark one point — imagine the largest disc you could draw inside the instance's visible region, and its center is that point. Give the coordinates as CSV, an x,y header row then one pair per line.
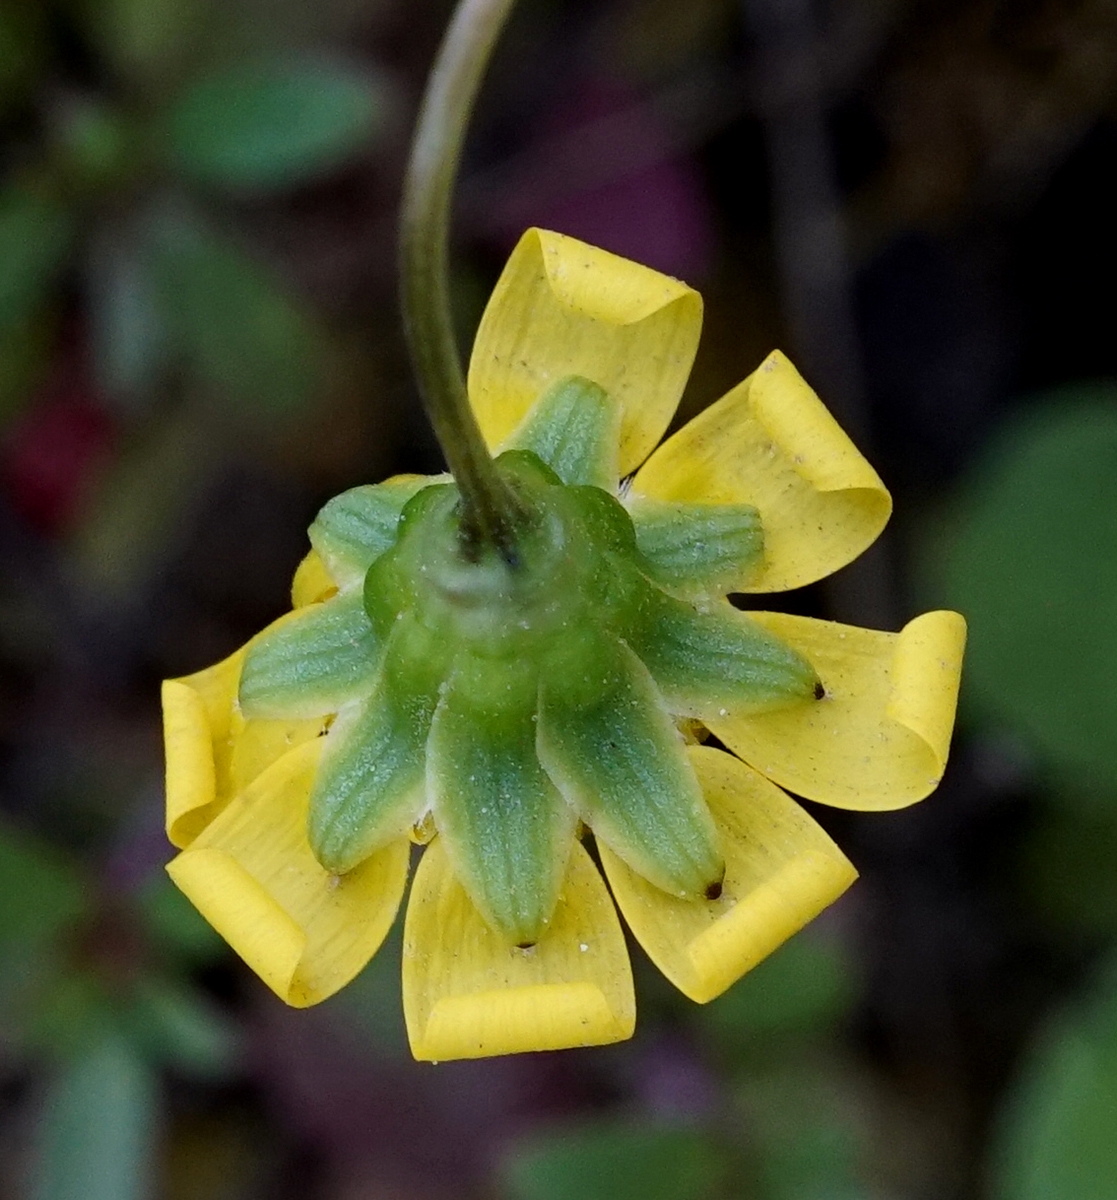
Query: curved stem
x,y
490,512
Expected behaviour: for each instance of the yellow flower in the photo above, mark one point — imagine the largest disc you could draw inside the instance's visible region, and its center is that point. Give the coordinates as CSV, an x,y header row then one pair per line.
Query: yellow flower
x,y
761,492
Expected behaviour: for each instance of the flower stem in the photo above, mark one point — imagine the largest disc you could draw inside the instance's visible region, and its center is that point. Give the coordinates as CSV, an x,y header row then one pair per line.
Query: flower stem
x,y
490,512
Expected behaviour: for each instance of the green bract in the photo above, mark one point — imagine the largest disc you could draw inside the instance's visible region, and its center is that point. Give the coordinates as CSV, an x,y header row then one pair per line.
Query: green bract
x,y
511,698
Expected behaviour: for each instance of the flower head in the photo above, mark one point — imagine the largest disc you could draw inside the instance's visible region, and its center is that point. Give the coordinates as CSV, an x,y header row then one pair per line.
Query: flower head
x,y
494,707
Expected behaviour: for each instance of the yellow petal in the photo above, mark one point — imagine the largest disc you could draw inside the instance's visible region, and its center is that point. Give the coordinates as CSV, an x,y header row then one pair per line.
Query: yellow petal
x,y
199,723
212,752
772,444
781,871
467,993
563,308
879,738
312,582
257,744
251,874
191,778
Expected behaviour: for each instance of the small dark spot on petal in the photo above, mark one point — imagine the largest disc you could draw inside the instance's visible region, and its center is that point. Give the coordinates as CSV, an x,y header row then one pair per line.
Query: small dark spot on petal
x,y
819,691
713,892
525,945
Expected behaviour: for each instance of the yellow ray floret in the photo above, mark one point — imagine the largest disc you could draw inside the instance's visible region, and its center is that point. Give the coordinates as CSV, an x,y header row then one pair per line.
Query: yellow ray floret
x,y
212,752
879,739
251,874
467,993
781,871
772,443
191,776
563,308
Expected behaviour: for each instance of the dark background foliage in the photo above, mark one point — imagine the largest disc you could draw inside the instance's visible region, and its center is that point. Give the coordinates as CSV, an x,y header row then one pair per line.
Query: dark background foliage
x,y
199,345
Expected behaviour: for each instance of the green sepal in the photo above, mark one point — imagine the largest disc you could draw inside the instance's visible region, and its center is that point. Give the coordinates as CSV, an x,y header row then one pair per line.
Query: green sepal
x,y
697,549
508,830
395,581
322,657
526,471
714,661
606,524
608,742
354,529
609,587
574,427
370,783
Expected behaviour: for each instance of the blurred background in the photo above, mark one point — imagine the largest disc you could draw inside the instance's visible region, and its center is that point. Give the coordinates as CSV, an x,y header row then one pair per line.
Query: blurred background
x,y
199,345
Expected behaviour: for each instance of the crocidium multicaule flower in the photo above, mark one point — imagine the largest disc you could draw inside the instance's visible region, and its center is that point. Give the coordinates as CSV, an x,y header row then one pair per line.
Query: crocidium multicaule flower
x,y
497,712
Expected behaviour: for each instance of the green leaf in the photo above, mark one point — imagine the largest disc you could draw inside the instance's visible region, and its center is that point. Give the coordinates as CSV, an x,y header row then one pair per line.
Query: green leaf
x,y
698,549
352,530
152,43
1056,1139
808,1123
178,1028
136,516
318,660
817,1162
25,350
23,47
41,894
175,925
800,990
507,828
42,901
575,429
72,1012
35,236
128,327
609,745
96,1138
237,329
1031,560
716,661
617,1160
273,124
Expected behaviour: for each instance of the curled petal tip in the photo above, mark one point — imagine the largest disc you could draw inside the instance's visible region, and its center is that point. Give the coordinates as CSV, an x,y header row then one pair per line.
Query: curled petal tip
x,y
545,1016
191,775
782,870
469,993
563,308
251,874
249,919
772,444
926,675
881,738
